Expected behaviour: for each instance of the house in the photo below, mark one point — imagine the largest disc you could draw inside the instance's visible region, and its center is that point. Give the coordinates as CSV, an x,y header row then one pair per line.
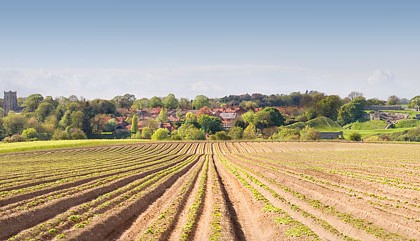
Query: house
x,y
228,120
173,118
167,125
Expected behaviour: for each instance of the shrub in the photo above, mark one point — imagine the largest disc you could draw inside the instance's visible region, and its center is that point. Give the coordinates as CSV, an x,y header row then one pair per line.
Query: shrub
x,y
236,133
195,134
160,134
309,134
77,134
190,132
146,133
137,135
267,132
175,135
60,135
221,135
15,138
286,134
407,123
373,139
69,134
30,134
250,132
355,136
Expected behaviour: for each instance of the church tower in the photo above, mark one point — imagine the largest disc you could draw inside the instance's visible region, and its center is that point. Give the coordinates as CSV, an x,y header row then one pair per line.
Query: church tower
x,y
10,101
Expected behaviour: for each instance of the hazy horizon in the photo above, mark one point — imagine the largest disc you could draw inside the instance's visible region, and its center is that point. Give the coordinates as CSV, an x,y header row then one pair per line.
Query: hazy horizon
x,y
100,49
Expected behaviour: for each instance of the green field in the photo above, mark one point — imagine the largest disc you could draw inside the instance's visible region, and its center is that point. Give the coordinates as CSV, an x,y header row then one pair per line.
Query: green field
x,y
42,145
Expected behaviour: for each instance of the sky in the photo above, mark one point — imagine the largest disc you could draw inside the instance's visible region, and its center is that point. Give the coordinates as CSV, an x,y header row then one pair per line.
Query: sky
x,y
105,48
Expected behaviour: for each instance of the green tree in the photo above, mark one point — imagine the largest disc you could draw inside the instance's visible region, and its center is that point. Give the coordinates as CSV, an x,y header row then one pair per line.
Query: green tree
x,y
14,123
32,102
60,135
190,132
77,134
190,118
30,134
103,106
250,132
88,114
248,105
73,106
352,111
393,100
236,133
329,106
185,104
210,124
375,101
110,125
2,129
146,133
200,101
66,120
49,125
44,110
248,117
170,102
125,101
355,94
155,102
76,118
163,115
415,103
161,134
268,117
134,124
195,134
140,104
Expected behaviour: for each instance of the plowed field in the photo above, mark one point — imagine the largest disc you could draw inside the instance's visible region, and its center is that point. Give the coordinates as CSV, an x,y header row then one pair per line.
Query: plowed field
x,y
212,191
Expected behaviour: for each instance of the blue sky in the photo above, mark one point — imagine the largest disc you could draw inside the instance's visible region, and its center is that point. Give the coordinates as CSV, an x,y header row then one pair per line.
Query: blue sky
x,y
107,48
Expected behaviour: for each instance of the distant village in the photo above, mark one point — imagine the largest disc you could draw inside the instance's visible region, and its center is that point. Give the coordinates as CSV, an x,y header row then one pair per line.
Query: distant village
x,y
232,117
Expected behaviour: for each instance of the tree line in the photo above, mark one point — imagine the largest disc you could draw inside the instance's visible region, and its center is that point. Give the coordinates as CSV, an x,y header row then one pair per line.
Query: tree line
x,y
45,118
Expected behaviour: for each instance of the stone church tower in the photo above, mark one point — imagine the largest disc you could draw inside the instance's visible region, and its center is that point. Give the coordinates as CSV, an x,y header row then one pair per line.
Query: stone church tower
x,y
10,102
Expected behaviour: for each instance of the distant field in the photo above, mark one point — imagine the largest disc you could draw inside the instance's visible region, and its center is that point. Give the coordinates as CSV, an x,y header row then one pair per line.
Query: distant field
x,y
41,145
211,191
366,133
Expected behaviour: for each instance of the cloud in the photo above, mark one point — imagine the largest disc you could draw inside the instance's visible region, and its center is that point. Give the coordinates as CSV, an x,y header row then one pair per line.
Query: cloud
x,y
205,86
380,77
183,81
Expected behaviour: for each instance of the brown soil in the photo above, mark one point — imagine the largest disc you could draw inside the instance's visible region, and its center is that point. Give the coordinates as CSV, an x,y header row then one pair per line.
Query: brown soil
x,y
350,187
144,219
12,225
357,207
99,229
214,198
253,223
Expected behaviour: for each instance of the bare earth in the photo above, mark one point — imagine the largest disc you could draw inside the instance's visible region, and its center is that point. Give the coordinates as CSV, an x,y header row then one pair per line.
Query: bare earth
x,y
213,191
